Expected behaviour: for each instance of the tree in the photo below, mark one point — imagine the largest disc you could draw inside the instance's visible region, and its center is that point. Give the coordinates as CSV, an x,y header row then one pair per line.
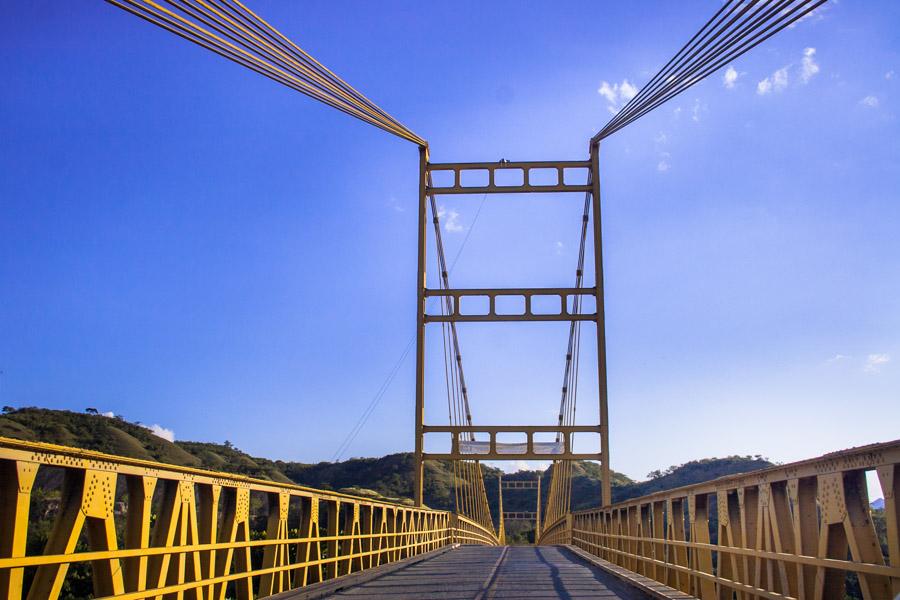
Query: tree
x,y
92,411
8,409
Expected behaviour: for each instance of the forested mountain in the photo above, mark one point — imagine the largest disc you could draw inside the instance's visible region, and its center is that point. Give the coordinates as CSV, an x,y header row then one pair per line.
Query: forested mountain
x,y
388,476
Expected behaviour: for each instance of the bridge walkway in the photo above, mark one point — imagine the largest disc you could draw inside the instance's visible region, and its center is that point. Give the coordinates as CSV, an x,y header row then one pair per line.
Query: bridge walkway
x,y
491,572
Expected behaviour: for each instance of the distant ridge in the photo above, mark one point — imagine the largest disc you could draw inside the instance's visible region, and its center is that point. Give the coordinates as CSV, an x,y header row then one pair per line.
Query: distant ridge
x,y
387,477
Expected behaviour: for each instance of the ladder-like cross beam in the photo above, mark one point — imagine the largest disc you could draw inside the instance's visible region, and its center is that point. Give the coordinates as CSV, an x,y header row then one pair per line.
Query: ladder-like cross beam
x,y
534,177
529,450
520,484
528,313
519,516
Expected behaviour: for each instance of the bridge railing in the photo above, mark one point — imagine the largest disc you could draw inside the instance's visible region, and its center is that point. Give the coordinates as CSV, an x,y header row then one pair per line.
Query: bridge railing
x,y
792,531
146,529
557,532
468,531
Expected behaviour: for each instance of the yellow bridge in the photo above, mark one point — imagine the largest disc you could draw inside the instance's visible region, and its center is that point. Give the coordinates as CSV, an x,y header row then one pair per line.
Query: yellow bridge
x,y
792,531
152,530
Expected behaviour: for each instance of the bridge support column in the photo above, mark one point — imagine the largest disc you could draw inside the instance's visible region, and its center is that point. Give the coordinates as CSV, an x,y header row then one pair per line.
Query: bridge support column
x,y
420,329
605,488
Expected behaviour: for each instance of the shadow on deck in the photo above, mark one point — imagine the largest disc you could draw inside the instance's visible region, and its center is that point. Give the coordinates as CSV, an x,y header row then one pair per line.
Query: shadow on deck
x,y
484,572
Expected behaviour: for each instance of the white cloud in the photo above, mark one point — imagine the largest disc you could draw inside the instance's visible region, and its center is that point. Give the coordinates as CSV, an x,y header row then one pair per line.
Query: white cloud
x,y
160,431
837,358
889,74
696,110
617,94
110,414
874,362
662,166
559,248
730,77
662,138
817,14
677,111
514,466
774,83
870,102
627,91
450,218
808,65
610,92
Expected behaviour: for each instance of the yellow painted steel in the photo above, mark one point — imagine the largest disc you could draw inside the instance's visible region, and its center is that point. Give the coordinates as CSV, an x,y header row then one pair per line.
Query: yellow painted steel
x,y
154,529
783,532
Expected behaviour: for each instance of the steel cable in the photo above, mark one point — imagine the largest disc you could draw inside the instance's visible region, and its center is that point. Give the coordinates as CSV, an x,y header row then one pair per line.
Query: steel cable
x,y
230,29
737,27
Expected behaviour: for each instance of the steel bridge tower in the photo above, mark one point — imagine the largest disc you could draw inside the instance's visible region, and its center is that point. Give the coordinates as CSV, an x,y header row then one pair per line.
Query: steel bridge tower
x,y
492,450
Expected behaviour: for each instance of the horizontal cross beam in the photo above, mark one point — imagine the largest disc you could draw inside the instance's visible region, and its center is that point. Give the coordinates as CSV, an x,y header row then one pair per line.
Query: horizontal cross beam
x,y
511,428
532,450
519,516
527,314
503,456
529,182
528,484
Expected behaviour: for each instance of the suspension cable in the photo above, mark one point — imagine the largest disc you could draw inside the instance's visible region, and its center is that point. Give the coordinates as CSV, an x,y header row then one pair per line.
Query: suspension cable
x,y
737,27
230,29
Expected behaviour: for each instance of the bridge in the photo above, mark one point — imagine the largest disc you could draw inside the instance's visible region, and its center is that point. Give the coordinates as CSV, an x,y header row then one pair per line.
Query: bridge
x,y
152,530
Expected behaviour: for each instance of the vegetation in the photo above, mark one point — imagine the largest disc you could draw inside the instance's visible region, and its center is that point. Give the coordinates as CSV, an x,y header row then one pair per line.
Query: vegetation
x,y
388,477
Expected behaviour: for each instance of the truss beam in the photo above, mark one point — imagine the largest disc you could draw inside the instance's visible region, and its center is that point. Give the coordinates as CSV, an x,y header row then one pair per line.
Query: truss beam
x,y
497,451
518,484
533,177
526,294
519,516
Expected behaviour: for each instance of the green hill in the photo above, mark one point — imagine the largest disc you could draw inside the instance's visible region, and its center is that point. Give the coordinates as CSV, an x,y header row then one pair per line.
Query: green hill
x,y
389,476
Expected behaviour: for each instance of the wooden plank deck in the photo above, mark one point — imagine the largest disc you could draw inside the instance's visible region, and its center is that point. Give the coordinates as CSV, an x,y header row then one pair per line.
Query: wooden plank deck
x,y
484,573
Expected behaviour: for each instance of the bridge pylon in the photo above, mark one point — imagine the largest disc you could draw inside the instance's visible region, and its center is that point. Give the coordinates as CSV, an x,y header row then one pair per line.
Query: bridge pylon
x,y
464,447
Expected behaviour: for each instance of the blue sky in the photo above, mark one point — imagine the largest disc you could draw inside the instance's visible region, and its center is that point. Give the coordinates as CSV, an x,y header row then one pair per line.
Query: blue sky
x,y
188,244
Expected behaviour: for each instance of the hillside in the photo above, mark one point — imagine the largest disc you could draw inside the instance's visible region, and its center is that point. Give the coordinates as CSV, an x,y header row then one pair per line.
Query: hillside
x,y
387,477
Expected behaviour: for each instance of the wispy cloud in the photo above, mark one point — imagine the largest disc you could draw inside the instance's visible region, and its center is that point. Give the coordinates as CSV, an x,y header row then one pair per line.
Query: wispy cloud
x,y
450,219
617,94
660,141
776,82
729,79
514,466
837,358
816,15
780,79
697,109
870,102
874,362
808,65
559,248
889,75
663,165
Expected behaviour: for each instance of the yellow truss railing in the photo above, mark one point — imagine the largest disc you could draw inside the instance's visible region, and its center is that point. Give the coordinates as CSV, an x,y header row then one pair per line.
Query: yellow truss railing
x,y
155,529
783,532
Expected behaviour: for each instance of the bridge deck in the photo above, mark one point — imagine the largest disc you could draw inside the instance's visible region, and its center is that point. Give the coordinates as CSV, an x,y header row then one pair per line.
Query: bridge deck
x,y
483,573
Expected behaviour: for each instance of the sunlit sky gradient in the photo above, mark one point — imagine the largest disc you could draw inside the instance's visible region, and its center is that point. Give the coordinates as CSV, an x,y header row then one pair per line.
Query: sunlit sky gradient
x,y
188,244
